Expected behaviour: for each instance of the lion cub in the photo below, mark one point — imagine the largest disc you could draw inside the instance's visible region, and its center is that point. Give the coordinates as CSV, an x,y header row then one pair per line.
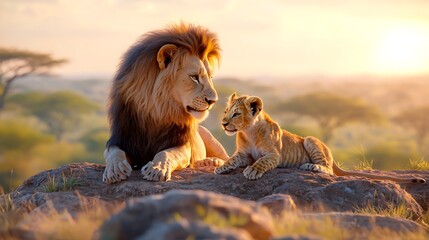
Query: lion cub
x,y
262,145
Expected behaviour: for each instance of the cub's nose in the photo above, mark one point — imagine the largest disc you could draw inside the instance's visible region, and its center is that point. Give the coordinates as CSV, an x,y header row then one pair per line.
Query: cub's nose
x,y
224,124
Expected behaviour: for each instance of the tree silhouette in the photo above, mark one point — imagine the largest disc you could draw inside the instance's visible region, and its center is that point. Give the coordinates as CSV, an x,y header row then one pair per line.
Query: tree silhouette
x,y
60,111
332,111
15,64
418,120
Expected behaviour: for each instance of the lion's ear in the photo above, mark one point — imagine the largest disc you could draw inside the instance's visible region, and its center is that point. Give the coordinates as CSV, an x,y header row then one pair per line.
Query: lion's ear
x,y
165,55
254,104
232,97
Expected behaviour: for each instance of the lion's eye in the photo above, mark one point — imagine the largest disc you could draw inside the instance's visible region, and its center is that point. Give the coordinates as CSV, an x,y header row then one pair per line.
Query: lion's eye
x,y
195,78
235,115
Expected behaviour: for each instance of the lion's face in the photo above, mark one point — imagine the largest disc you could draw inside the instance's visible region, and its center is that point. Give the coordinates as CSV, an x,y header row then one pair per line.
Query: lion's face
x,y
240,113
193,87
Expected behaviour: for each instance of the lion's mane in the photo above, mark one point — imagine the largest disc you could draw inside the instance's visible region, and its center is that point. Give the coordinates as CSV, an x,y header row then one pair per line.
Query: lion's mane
x,y
143,120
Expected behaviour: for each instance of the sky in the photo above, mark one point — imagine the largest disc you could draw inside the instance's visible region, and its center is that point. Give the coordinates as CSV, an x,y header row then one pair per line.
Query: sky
x,y
259,39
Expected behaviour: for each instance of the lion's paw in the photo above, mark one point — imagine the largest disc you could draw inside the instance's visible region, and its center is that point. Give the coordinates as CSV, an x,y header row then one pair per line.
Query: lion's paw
x,y
315,168
116,170
209,162
252,173
156,172
226,168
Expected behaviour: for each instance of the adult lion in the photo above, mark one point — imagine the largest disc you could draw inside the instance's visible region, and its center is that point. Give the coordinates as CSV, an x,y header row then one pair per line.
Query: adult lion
x,y
162,90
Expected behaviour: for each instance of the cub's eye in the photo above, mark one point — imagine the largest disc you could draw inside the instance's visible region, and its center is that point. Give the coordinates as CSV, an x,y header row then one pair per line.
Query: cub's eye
x,y
235,115
195,78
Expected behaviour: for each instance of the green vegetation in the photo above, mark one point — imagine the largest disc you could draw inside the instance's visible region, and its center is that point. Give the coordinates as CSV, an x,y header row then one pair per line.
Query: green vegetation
x,y
57,225
398,211
213,217
59,111
16,64
64,184
332,111
363,162
419,164
290,223
45,131
417,119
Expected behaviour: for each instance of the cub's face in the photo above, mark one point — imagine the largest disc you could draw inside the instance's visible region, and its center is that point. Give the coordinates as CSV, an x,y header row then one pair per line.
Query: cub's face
x,y
240,113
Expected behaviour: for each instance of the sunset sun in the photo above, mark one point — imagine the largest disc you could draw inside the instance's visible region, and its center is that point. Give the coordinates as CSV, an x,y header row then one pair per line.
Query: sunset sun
x,y
403,51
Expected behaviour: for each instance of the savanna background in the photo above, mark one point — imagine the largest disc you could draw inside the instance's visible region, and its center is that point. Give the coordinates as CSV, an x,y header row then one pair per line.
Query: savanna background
x,y
355,74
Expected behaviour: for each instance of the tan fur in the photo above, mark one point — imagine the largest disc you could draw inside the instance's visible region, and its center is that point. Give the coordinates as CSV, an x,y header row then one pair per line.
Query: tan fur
x,y
156,84
262,145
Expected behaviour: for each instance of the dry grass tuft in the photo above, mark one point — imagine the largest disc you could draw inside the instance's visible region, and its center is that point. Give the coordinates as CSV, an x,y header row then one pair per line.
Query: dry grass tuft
x,y
419,164
64,184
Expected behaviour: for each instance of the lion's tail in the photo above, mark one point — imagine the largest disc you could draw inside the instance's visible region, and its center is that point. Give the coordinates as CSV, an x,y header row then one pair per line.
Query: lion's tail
x,y
340,172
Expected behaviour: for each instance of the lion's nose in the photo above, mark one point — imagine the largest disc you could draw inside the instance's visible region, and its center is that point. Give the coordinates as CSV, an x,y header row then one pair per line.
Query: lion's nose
x,y
224,124
209,101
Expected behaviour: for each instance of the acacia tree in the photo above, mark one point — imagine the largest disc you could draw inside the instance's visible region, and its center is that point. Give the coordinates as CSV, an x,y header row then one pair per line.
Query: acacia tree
x,y
16,64
332,111
59,111
418,120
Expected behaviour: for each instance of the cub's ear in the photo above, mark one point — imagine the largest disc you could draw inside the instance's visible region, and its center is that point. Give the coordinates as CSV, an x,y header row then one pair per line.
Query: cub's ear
x,y
232,97
254,104
165,55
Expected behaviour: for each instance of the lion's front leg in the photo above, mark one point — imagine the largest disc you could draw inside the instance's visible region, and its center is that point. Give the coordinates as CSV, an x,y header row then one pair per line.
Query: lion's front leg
x,y
237,160
261,166
213,147
165,162
117,166
209,163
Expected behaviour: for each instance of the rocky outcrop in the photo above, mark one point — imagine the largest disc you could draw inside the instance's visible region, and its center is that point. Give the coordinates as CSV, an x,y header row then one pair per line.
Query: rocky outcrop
x,y
79,186
191,208
181,214
308,190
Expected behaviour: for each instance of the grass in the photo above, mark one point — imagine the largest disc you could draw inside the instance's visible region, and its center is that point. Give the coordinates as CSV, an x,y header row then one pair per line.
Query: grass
x,y
65,184
57,225
53,224
10,215
398,211
213,217
291,224
363,162
419,164
85,224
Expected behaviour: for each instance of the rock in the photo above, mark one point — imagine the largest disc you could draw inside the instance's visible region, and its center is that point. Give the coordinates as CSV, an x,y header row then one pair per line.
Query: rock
x,y
357,222
184,229
348,195
297,237
145,216
277,189
181,214
277,203
307,189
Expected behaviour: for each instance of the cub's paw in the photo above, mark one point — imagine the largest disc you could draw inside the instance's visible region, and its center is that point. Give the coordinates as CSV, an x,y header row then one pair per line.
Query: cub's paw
x,y
224,169
156,172
116,170
252,173
316,168
209,162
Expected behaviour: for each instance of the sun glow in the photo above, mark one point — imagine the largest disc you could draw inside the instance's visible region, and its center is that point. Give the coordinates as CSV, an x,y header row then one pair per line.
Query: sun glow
x,y
403,51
